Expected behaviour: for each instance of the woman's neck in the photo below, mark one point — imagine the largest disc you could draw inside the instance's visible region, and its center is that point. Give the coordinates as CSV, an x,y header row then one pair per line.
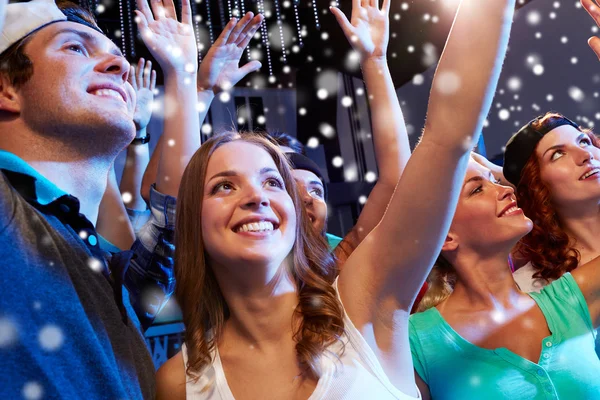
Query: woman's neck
x,y
483,283
260,313
583,229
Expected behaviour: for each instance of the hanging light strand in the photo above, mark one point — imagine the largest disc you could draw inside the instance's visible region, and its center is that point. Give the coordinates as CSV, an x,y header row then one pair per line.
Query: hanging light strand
x,y
243,7
316,13
131,32
280,26
122,23
196,18
264,36
297,16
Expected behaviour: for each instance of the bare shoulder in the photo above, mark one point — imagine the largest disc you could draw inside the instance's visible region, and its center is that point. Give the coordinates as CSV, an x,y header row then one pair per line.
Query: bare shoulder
x,y
170,379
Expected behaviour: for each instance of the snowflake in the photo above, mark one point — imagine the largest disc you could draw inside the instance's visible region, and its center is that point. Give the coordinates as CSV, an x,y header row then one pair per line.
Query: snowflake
x,y
327,130
312,142
447,82
50,337
337,161
9,333
370,176
538,69
576,94
32,391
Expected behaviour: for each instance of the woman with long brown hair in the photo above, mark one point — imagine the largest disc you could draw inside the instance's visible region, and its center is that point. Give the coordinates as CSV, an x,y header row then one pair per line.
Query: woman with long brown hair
x,y
265,315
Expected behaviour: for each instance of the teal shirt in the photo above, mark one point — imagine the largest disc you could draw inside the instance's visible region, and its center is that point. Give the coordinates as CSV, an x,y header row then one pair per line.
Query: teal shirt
x,y
568,367
332,240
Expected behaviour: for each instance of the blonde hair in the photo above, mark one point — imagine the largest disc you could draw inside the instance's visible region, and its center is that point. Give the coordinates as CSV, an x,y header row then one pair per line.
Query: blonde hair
x,y
441,281
319,313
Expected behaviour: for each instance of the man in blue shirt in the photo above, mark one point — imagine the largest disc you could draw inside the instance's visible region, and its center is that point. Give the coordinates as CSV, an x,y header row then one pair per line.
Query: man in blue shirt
x,y
69,328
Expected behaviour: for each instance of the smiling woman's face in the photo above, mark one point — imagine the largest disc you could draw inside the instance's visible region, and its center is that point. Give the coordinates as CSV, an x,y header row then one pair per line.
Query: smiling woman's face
x,y
569,166
247,214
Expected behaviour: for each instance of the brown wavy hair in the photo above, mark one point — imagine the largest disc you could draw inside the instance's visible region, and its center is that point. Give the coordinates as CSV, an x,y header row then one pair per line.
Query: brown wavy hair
x,y
319,313
548,247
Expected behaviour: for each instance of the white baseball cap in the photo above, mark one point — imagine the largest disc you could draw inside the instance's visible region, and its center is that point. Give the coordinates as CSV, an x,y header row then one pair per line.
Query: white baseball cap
x,y
24,18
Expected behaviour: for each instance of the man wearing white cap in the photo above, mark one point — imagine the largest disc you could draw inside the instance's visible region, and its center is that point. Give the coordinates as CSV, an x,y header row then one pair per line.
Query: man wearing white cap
x,y
68,328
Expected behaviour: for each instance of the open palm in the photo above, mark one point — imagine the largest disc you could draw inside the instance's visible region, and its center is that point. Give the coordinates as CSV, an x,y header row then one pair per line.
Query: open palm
x,y
171,43
368,28
220,69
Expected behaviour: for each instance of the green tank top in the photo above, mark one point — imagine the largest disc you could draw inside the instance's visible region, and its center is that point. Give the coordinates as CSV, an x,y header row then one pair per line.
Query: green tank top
x,y
568,367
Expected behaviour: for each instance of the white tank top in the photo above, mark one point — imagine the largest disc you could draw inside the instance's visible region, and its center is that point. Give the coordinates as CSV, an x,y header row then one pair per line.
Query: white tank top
x,y
356,375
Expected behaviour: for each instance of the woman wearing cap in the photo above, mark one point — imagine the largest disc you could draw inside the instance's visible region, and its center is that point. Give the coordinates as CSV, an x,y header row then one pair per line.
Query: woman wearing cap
x,y
263,316
464,346
554,165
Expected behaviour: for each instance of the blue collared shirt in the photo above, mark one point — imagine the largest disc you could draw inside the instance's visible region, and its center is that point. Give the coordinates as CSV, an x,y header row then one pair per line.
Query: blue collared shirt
x,y
73,306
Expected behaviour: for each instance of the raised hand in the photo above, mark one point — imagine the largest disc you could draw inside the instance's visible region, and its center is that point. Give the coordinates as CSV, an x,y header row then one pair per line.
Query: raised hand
x,y
171,43
591,6
143,80
220,69
368,28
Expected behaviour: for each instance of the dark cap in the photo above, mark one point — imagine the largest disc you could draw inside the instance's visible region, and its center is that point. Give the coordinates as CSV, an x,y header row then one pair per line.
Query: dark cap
x,y
522,144
300,161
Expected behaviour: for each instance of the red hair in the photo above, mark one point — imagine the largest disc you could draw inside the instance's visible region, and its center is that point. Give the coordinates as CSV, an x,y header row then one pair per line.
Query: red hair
x,y
548,247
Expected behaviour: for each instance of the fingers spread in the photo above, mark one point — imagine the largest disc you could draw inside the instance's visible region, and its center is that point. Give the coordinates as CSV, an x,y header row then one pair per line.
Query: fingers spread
x,y
147,73
153,80
342,20
131,77
224,36
143,8
239,27
249,31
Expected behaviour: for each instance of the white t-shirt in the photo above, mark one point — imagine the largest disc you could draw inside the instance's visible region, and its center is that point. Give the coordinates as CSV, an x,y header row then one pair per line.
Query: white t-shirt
x,y
356,375
527,283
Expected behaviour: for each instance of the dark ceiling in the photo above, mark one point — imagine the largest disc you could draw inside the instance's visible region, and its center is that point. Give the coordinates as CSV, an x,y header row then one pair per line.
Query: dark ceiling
x,y
418,31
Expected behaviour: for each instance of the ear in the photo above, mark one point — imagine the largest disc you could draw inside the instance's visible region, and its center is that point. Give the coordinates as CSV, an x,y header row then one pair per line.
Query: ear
x,y
451,242
9,99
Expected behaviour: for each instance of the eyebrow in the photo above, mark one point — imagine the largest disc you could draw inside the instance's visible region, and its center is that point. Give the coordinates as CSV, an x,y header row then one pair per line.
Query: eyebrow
x,y
560,146
479,178
87,37
234,173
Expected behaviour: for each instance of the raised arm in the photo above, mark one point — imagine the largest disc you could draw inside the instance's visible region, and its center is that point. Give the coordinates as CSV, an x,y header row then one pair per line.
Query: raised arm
x,y
173,45
113,223
368,34
384,274
143,80
219,70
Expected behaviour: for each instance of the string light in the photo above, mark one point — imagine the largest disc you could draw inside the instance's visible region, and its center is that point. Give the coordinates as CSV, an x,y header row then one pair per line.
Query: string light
x,y
264,35
130,23
316,13
247,47
196,18
280,25
298,29
229,8
209,22
122,22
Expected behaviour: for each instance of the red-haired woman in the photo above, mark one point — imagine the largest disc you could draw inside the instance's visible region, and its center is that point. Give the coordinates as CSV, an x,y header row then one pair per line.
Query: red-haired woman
x,y
555,166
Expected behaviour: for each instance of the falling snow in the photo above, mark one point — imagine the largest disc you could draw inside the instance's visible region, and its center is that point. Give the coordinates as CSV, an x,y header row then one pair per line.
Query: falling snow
x,y
50,338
